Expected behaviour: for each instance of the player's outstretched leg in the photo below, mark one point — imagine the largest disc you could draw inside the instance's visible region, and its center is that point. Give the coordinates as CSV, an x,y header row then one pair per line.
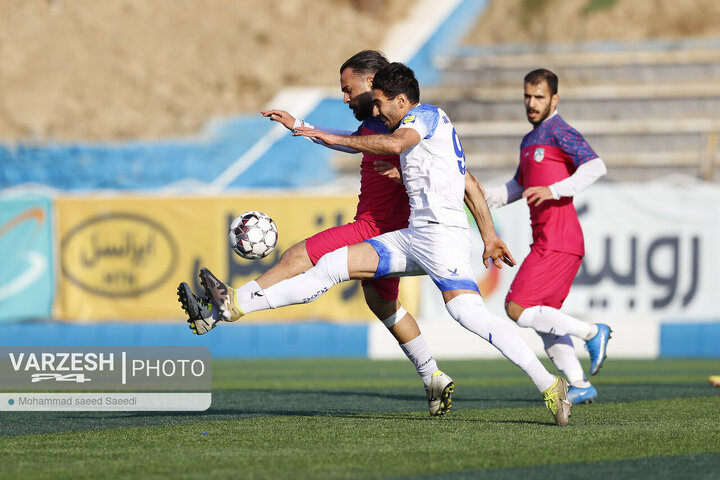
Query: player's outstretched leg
x,y
439,393
222,295
470,311
556,400
330,270
597,347
198,309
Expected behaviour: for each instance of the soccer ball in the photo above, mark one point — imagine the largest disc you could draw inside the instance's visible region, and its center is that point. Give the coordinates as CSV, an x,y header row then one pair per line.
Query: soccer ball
x,y
253,235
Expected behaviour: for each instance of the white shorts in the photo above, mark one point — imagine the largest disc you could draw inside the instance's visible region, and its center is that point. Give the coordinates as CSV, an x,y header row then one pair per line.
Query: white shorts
x,y
439,251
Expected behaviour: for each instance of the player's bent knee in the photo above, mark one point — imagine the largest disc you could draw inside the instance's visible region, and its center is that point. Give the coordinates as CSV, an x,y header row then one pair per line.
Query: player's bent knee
x,y
335,265
296,256
461,304
380,307
470,312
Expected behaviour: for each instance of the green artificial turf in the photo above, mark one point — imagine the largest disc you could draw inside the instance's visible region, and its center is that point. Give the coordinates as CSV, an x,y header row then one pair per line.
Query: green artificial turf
x,y
367,419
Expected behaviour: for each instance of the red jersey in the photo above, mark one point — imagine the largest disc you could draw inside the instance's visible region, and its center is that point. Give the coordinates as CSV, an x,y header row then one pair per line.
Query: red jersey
x,y
551,152
382,201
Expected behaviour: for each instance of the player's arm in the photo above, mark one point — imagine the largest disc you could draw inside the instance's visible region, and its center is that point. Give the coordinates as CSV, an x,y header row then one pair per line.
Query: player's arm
x,y
291,123
502,195
494,247
379,144
585,175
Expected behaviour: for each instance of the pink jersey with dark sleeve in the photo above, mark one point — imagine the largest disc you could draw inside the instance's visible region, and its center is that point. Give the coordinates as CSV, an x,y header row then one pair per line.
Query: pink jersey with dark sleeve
x,y
382,202
551,152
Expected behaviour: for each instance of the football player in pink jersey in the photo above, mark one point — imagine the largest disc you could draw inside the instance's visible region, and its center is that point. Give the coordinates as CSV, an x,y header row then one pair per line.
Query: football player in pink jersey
x,y
555,163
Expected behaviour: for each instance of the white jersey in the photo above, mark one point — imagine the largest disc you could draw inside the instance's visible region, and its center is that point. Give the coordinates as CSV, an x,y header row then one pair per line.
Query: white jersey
x,y
433,170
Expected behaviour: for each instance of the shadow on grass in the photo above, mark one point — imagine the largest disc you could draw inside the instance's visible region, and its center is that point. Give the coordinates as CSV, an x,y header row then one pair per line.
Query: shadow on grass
x,y
449,417
226,405
234,404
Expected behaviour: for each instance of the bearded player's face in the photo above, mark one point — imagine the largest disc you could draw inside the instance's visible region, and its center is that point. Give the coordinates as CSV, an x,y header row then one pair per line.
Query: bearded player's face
x,y
539,102
357,93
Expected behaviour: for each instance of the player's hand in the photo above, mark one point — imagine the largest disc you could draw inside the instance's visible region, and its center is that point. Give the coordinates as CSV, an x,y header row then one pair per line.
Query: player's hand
x,y
537,195
326,137
280,116
498,251
387,169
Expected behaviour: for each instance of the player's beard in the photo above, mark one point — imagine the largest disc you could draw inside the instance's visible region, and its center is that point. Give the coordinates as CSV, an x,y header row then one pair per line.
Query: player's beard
x,y
388,123
362,106
540,118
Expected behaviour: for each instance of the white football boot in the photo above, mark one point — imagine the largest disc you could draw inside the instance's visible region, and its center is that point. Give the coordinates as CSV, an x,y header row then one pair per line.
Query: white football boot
x,y
439,393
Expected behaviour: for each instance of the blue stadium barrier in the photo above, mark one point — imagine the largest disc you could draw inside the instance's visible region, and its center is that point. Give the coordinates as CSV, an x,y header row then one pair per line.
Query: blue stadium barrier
x,y
690,340
144,165
291,340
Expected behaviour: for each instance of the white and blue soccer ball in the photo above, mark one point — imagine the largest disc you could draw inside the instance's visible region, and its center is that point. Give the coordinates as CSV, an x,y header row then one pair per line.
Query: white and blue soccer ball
x,y
253,235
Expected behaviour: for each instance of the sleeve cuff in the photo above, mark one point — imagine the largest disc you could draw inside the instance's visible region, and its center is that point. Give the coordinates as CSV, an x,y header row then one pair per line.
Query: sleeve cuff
x,y
554,191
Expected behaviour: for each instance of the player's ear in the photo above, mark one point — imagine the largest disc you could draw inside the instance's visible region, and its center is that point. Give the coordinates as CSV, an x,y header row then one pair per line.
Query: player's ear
x,y
368,81
554,100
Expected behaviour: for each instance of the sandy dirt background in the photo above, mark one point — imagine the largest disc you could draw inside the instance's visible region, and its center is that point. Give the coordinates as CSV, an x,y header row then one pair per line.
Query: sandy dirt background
x,y
126,69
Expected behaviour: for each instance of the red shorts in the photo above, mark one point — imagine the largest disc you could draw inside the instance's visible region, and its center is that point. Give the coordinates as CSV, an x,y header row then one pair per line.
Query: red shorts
x,y
349,234
544,278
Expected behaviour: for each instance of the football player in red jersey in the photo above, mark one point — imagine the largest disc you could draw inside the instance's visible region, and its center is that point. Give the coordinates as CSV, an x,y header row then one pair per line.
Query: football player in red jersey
x,y
555,164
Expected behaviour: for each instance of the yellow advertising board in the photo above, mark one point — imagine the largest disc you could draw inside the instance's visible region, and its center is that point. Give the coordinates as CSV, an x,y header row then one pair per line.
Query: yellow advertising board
x,y
122,258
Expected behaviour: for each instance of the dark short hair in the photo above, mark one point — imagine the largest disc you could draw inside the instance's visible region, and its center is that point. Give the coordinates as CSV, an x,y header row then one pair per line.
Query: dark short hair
x,y
542,74
366,62
396,78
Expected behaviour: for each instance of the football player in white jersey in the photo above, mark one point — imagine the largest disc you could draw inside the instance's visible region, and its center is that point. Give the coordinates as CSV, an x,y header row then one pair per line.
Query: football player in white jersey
x,y
436,243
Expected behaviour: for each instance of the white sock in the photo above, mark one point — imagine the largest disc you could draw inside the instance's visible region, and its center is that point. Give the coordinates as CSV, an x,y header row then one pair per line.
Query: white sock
x,y
250,296
562,353
544,319
330,270
418,353
470,312
251,286
252,301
